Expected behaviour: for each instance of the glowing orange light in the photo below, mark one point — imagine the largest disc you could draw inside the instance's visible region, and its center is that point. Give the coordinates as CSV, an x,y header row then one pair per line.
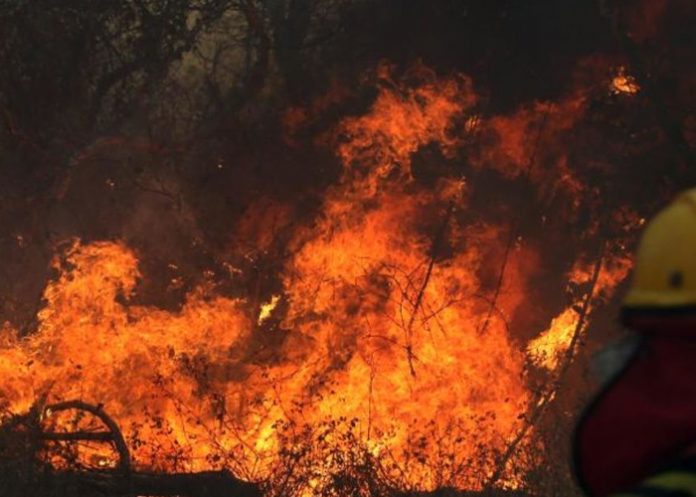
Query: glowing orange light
x,y
267,309
389,335
624,83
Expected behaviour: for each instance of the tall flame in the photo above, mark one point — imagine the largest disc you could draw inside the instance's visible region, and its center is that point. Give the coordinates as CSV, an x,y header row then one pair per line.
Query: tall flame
x,y
548,348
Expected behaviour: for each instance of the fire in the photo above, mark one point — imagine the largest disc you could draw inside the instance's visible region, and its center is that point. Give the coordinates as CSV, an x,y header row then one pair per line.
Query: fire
x,y
549,347
401,121
392,345
267,309
624,83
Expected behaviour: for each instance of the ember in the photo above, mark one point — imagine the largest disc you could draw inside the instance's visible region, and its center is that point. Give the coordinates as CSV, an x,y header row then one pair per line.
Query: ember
x,y
623,83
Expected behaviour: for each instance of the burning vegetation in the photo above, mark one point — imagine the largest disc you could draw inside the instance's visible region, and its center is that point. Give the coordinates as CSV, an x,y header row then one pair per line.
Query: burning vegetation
x,y
395,297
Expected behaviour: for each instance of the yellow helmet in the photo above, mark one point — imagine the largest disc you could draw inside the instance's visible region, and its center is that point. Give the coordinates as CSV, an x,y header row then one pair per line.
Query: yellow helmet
x,y
665,269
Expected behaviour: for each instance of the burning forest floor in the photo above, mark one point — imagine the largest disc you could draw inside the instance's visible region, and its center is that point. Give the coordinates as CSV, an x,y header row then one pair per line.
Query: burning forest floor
x,y
408,311
385,351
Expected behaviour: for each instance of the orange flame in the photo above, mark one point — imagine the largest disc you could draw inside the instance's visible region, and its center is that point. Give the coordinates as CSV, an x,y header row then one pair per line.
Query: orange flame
x,y
267,309
550,346
387,328
624,83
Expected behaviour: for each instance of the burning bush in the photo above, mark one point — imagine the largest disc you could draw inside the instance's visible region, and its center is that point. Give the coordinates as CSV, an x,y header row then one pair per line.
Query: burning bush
x,y
372,286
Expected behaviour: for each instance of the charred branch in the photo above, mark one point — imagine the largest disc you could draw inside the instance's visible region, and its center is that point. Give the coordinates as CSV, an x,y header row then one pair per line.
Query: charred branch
x,y
80,435
434,251
547,395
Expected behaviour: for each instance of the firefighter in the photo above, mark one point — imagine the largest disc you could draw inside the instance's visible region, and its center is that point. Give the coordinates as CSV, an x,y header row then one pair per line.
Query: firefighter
x,y
638,437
